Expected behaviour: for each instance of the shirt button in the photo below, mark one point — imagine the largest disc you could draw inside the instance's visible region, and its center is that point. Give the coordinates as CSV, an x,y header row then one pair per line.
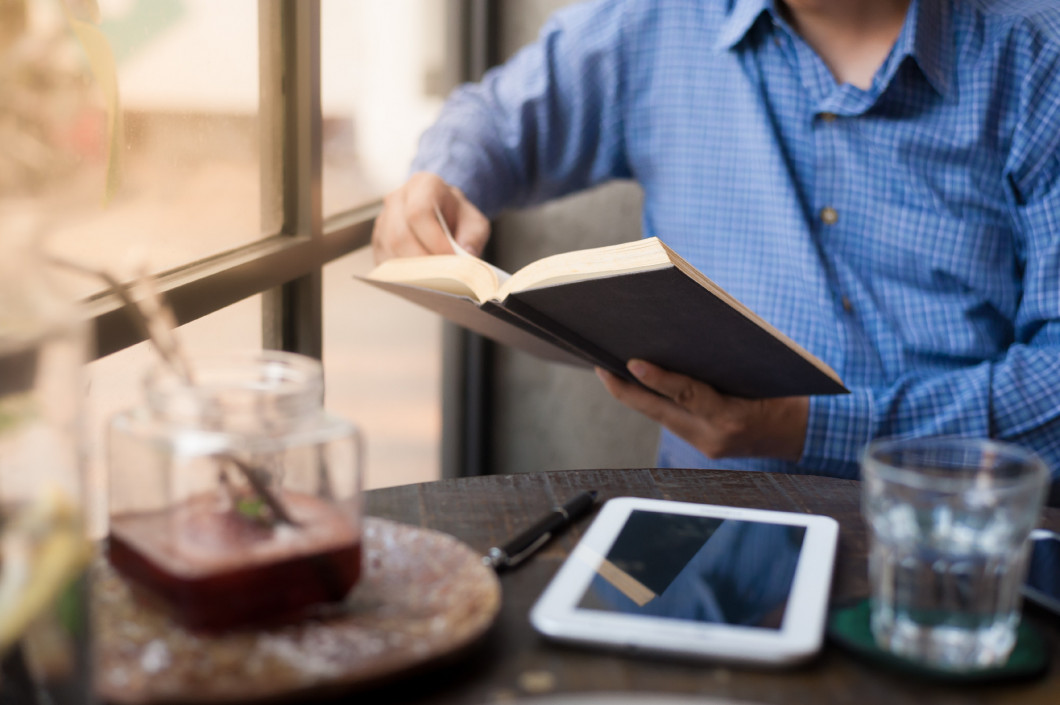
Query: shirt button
x,y
829,215
847,305
828,117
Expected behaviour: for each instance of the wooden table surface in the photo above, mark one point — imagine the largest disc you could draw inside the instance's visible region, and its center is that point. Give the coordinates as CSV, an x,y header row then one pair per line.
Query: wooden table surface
x,y
512,662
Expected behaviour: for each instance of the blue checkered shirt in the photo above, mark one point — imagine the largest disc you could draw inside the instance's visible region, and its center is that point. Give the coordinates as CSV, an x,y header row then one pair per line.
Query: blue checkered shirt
x,y
908,234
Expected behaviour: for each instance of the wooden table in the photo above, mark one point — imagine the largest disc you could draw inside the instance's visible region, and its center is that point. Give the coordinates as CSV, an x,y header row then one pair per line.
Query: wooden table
x,y
512,661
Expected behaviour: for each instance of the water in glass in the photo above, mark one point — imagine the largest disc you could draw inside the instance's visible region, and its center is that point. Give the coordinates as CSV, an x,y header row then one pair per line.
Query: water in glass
x,y
948,548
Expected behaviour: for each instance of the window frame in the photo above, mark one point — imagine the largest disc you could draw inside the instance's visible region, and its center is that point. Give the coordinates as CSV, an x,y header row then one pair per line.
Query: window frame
x,y
286,264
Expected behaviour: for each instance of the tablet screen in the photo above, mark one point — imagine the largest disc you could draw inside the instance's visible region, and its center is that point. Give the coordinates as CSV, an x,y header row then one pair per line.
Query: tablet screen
x,y
705,569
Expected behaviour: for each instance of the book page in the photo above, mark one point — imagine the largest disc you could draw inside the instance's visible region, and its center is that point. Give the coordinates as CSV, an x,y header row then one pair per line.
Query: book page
x,y
452,274
502,276
610,260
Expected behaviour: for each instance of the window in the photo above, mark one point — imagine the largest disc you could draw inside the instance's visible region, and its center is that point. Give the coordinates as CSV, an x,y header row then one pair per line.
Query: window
x,y
188,156
382,357
235,184
371,119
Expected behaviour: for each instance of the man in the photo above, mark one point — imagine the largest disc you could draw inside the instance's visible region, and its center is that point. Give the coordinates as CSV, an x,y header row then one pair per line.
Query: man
x,y
879,179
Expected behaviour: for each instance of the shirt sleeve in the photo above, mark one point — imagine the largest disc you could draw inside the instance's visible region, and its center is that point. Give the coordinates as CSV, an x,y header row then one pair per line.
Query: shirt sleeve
x,y
1015,398
546,123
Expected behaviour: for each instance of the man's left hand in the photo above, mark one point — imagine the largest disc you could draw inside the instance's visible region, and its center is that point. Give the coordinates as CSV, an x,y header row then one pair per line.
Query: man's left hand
x,y
718,425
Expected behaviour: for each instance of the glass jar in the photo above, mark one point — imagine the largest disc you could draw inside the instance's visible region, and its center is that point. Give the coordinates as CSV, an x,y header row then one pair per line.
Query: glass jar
x,y
43,545
236,499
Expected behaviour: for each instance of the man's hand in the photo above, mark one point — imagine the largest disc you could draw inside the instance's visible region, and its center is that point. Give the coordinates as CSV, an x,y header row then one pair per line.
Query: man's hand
x,y
408,226
719,426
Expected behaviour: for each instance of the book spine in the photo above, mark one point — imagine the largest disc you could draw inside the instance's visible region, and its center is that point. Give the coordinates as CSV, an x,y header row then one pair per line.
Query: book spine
x,y
499,311
559,335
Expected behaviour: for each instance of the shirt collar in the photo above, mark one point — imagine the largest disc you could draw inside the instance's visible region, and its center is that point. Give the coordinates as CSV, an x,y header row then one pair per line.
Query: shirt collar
x,y
925,36
742,16
928,40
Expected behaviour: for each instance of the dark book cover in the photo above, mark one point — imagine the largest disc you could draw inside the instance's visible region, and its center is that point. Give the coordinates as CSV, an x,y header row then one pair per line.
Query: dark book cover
x,y
665,317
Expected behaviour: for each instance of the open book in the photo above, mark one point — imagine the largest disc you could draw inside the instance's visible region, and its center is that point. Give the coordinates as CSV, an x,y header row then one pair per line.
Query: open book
x,y
606,305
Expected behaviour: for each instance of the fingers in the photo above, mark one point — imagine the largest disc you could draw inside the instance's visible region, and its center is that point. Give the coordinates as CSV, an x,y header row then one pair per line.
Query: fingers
x,y
695,411
663,411
410,227
408,224
718,425
686,392
636,398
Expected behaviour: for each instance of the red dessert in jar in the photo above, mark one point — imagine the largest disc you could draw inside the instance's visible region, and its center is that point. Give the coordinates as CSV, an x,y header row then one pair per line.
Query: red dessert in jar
x,y
219,565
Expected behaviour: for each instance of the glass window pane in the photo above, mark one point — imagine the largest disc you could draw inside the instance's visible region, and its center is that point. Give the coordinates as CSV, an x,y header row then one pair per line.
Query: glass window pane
x,y
382,363
187,77
385,69
382,356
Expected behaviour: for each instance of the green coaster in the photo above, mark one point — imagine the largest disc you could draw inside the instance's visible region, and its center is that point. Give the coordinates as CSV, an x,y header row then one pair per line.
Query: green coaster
x,y
848,627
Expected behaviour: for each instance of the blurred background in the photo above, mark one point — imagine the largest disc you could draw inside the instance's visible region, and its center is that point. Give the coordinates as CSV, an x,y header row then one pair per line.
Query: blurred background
x,y
202,157
188,76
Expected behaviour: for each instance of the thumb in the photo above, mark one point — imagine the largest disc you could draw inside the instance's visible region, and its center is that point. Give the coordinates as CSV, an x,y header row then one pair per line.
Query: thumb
x,y
472,229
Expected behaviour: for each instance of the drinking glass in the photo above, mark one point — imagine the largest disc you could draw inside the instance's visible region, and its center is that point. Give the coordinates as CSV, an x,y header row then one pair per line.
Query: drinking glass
x,y
236,498
949,520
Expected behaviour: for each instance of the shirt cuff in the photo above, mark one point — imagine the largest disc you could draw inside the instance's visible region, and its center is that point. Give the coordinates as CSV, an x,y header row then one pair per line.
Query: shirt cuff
x,y
462,165
837,431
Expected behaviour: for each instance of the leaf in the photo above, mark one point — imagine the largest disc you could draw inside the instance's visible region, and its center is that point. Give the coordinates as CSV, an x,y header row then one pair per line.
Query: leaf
x,y
251,507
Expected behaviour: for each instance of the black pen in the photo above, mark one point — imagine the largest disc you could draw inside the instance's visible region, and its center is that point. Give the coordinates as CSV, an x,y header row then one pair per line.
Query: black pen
x,y
518,549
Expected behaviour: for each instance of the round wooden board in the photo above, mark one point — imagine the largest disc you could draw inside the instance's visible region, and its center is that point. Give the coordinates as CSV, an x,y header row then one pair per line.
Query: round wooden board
x,y
422,595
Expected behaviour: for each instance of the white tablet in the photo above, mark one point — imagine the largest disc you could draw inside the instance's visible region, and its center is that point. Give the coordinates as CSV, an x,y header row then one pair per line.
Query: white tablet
x,y
698,580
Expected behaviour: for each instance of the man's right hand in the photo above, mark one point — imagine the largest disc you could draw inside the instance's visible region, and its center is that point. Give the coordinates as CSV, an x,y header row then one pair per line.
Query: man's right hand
x,y
408,226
